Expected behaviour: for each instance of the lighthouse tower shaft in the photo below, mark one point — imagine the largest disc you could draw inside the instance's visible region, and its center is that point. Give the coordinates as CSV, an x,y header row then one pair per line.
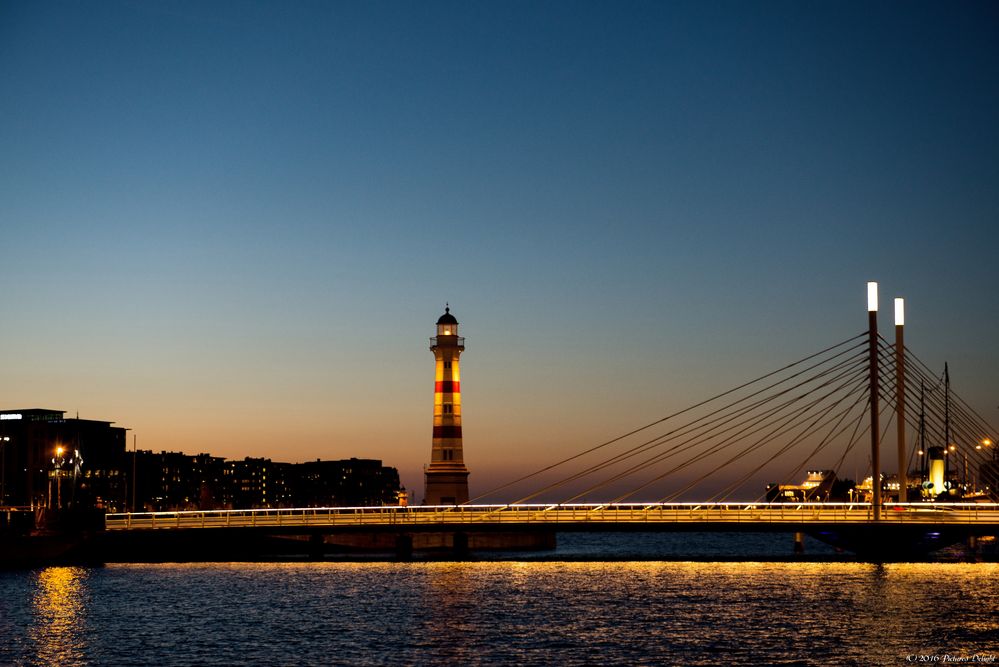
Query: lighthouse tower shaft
x,y
446,477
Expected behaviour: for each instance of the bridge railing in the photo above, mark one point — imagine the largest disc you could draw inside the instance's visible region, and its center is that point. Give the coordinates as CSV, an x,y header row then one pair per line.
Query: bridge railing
x,y
555,514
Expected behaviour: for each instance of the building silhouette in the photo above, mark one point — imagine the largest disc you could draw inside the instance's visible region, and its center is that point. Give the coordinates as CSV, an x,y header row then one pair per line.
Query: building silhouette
x,y
168,481
50,461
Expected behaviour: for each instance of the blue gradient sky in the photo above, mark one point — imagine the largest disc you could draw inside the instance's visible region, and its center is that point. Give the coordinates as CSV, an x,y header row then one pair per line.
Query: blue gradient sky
x,y
230,226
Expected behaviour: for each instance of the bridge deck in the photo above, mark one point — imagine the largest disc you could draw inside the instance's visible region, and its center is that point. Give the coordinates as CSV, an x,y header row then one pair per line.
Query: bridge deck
x,y
654,516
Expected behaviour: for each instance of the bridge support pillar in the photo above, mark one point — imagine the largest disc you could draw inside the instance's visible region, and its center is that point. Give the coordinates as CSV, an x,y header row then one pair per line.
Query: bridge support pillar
x,y
315,546
799,543
404,547
459,545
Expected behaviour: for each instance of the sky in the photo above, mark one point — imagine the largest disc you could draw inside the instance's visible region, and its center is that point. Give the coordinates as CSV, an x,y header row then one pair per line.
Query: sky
x,y
231,226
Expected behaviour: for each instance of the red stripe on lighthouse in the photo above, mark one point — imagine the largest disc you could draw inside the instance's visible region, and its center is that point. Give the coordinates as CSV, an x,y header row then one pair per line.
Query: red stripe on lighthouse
x,y
447,387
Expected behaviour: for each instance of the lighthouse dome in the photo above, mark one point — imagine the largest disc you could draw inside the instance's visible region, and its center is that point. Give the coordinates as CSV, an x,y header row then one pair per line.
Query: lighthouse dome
x,y
447,317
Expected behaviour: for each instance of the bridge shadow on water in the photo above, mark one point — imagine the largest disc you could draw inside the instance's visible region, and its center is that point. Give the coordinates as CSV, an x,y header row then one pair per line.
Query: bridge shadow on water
x,y
729,547
564,546
588,546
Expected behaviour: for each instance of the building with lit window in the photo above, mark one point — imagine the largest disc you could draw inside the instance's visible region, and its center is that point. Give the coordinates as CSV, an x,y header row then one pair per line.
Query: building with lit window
x,y
50,460
346,483
175,481
256,483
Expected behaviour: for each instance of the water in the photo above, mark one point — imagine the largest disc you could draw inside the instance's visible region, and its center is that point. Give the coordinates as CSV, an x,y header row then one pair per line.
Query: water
x,y
541,612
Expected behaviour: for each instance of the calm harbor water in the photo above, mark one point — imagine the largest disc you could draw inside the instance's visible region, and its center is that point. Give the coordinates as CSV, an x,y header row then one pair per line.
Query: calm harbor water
x,y
530,612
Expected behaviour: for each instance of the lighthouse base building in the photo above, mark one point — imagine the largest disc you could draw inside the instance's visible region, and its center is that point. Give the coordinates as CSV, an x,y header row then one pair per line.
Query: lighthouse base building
x,y
445,488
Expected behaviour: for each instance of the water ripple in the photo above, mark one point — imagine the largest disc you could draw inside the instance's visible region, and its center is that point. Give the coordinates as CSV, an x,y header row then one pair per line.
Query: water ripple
x,y
534,613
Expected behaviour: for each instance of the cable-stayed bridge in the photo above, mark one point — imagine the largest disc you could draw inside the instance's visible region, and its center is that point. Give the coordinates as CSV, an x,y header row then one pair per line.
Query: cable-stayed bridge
x,y
842,410
580,516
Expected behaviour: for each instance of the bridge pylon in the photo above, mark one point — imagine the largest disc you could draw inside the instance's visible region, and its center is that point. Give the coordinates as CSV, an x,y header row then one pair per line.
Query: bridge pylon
x,y
872,335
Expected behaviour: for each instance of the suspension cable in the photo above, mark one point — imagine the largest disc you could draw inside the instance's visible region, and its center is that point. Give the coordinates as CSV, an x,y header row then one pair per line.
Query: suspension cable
x,y
666,418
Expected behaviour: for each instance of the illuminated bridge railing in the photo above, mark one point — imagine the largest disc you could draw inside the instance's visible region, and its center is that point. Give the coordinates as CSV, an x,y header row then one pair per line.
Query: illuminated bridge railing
x,y
560,515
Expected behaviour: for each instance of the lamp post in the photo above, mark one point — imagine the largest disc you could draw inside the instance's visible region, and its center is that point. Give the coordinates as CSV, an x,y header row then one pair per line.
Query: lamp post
x,y
57,462
76,462
922,476
951,453
988,444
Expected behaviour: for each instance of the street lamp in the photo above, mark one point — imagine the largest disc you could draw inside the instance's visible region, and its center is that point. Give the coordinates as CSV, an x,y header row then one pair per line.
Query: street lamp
x,y
76,462
57,462
950,465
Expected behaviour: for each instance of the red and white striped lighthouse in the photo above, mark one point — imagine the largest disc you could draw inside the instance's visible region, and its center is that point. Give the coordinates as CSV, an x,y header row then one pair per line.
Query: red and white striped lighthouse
x,y
446,478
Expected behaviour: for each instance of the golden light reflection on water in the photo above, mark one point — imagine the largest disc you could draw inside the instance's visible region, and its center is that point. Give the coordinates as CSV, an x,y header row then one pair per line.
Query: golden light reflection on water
x,y
524,612
57,631
886,611
958,588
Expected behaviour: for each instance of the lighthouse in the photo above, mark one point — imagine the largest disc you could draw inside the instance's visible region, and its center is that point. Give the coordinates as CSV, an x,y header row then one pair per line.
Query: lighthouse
x,y
446,478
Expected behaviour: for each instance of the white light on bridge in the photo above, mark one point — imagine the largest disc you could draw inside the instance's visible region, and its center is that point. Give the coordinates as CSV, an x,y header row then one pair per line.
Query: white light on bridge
x,y
872,297
899,312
